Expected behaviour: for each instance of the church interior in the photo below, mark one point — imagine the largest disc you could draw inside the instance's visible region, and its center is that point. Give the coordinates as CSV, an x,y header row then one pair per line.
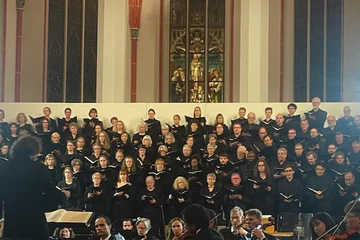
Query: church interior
x,y
149,111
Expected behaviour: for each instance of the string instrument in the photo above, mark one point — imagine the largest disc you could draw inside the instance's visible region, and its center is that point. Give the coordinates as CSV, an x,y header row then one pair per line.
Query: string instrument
x,y
341,236
263,226
184,235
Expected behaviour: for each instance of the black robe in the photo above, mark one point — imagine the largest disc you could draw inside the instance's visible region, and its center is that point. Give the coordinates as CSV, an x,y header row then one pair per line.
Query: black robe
x,y
292,190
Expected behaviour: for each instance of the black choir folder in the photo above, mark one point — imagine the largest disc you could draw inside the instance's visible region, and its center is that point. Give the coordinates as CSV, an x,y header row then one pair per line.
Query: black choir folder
x,y
63,216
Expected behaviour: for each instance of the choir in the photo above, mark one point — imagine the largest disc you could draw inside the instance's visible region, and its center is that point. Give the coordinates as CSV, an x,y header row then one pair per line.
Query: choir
x,y
279,165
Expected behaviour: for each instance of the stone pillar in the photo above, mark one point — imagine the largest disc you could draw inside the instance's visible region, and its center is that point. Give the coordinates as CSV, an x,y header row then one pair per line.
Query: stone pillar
x,y
18,63
113,83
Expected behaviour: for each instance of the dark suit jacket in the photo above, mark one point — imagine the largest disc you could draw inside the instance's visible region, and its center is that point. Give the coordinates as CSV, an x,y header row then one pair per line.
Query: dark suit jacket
x,y
208,234
28,192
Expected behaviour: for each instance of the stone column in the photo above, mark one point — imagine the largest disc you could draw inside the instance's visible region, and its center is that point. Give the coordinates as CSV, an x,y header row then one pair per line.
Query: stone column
x,y
18,63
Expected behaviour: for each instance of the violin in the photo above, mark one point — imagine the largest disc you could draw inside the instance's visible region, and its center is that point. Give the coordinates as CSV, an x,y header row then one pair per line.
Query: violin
x,y
344,235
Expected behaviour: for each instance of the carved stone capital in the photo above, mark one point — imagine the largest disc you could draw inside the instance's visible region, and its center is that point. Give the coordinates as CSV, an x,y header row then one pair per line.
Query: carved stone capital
x,y
20,4
134,33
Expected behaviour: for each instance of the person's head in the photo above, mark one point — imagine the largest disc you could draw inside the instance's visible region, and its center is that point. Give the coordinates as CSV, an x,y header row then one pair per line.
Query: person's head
x,y
129,163
70,146
103,161
347,111
219,129
4,149
26,146
147,141
21,118
241,151
223,158
316,103
96,178
103,139
164,129
98,128
162,150
253,218
331,120
289,171
123,176
262,132
128,225
180,183
235,179
186,150
268,141
114,121
93,113
195,217
251,156
261,167
169,138
159,165
66,233
125,138
299,149
268,112
177,227
349,178
353,217
176,119
195,162
194,126
13,128
68,173
150,182
119,156
332,149
340,158
339,137
242,112
279,119
320,223
50,160
210,147
311,157
355,146
45,123
67,112
291,133
46,111
304,124
212,138
76,164
120,126
96,147
142,128
237,128
211,179
236,217
80,142
103,227
73,127
251,117
291,108
143,226
219,118
197,112
281,154
142,150
314,133
320,169
151,113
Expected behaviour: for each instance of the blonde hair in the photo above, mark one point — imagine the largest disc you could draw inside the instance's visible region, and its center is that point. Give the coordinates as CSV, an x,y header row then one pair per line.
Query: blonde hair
x,y
107,144
21,114
171,135
147,137
178,180
50,155
163,148
96,174
140,124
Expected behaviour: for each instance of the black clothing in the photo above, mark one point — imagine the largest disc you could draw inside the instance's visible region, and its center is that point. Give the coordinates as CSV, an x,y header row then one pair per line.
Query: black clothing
x,y
121,206
208,234
211,200
316,118
28,192
75,194
292,190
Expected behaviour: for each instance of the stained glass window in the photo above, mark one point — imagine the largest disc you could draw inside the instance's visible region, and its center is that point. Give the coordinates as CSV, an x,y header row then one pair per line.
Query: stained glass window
x,y
197,38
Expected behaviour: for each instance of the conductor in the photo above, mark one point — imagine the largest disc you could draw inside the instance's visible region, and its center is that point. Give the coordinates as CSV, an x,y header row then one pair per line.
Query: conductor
x,y
28,192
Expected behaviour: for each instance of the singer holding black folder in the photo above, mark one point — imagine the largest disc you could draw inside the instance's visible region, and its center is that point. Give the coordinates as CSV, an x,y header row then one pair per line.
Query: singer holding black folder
x,y
28,192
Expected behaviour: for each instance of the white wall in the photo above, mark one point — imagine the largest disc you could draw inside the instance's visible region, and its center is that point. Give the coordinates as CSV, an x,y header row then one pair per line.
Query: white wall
x,y
131,113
